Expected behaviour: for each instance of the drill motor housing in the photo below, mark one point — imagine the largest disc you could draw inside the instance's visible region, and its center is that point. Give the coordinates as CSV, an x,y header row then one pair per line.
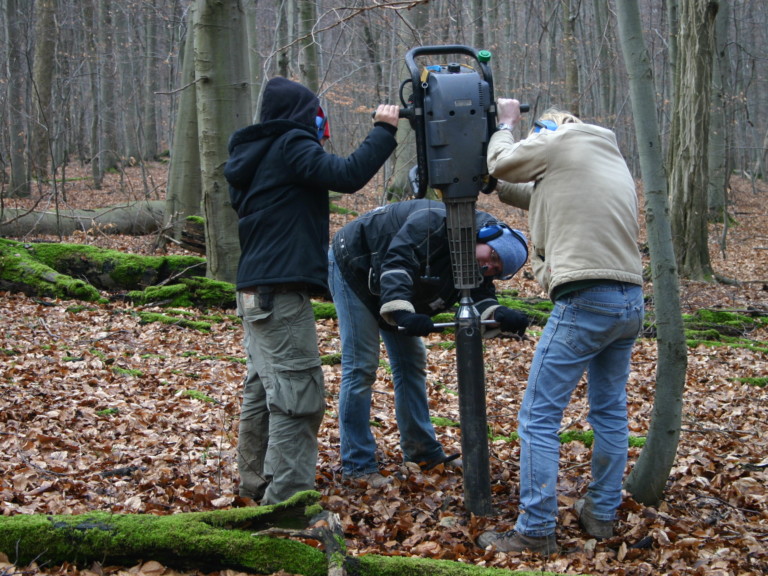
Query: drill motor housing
x,y
452,112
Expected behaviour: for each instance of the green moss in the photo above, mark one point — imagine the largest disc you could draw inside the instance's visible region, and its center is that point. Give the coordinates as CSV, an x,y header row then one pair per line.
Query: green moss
x,y
22,270
98,353
587,437
126,270
194,540
637,441
127,372
187,293
336,209
438,421
330,359
760,382
702,335
448,345
197,395
149,317
447,390
323,310
584,436
195,219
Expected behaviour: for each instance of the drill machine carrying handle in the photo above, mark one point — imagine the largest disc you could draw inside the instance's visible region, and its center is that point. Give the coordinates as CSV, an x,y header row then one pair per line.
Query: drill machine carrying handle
x,y
452,113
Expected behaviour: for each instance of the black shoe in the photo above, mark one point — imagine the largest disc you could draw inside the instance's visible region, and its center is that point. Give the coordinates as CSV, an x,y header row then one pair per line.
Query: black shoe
x,y
513,541
451,461
598,529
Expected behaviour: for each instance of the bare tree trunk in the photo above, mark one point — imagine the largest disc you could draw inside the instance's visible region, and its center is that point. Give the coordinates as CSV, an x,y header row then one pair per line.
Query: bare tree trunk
x,y
255,62
284,37
14,32
689,139
42,82
107,156
648,478
477,25
718,133
308,59
185,188
92,66
223,106
404,156
148,136
572,95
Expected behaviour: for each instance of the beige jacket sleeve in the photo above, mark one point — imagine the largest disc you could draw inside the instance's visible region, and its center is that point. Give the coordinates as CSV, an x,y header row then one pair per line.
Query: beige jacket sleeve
x,y
518,195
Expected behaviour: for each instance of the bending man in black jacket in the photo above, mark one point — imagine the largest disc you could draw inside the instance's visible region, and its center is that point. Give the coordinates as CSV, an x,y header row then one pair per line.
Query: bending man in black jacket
x,y
392,268
279,178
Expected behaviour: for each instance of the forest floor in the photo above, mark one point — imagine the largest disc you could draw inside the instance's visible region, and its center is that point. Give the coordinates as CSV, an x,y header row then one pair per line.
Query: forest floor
x,y
101,412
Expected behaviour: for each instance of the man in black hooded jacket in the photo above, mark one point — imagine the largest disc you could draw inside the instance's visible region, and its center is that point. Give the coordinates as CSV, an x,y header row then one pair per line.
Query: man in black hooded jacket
x,y
279,177
390,271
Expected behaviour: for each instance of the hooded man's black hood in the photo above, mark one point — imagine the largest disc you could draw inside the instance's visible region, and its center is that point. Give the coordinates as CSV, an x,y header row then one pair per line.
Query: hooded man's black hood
x,y
287,100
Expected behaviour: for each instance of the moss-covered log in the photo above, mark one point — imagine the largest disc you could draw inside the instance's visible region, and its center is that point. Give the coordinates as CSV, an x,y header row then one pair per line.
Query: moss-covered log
x,y
143,217
255,540
201,540
76,271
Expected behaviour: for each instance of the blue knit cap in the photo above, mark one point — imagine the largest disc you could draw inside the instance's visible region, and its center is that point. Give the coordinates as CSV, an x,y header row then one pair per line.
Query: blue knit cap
x,y
512,248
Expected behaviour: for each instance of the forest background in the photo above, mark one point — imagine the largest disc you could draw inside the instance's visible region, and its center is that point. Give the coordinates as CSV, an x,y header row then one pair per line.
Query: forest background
x,y
110,113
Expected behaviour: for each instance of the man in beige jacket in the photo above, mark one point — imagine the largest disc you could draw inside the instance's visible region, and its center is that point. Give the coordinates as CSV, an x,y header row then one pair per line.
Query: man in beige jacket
x,y
583,225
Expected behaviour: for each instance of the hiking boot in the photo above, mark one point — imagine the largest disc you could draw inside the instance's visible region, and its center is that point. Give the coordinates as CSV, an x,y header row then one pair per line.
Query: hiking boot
x,y
513,541
598,529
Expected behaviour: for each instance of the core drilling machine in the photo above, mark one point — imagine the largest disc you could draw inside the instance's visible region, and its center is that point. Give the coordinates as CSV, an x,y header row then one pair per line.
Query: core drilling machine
x,y
452,112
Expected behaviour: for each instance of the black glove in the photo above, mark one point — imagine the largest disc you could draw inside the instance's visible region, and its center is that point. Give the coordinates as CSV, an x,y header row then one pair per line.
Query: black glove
x,y
414,324
511,320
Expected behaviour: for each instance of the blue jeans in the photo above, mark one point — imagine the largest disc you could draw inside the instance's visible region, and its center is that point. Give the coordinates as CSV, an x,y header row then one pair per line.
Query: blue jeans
x,y
593,330
360,332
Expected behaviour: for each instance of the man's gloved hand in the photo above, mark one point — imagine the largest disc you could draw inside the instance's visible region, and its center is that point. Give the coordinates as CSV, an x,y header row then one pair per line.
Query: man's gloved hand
x,y
511,320
414,324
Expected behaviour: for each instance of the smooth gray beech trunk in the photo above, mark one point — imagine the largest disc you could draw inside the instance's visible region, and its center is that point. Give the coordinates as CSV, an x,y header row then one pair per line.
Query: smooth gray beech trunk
x,y
223,106
649,476
185,188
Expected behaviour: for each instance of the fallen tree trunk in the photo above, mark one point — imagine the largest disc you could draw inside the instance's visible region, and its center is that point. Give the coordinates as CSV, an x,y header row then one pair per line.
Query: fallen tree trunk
x,y
136,218
77,271
256,540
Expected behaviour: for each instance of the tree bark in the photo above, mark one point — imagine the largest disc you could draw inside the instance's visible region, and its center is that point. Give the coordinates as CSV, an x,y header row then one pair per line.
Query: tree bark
x,y
309,61
42,82
718,133
648,478
107,153
689,139
223,106
148,137
17,110
135,218
185,187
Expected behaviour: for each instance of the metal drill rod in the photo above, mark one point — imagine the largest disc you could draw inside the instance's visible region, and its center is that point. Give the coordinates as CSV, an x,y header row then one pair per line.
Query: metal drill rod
x,y
472,410
456,324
